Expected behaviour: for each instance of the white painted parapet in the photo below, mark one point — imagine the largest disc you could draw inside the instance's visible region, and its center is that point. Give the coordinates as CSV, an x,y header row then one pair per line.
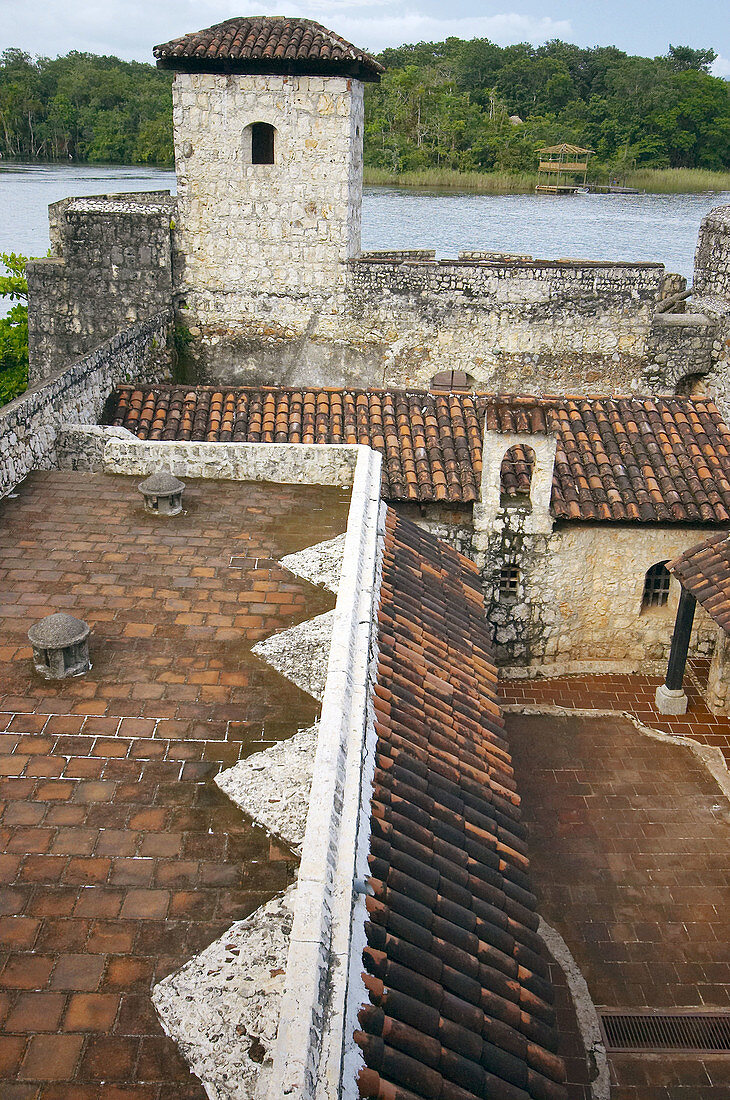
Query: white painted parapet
x,y
308,1058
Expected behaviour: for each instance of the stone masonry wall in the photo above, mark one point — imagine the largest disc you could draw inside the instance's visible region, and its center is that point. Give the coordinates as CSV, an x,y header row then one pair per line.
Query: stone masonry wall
x,y
112,267
680,345
578,603
511,325
30,424
260,248
711,295
718,681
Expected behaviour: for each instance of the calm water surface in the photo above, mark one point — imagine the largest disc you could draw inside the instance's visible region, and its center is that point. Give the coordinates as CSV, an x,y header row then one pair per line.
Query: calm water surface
x,y
598,227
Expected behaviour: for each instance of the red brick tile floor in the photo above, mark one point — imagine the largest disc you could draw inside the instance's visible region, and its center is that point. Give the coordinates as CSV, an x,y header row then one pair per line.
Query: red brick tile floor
x,y
120,857
629,840
631,693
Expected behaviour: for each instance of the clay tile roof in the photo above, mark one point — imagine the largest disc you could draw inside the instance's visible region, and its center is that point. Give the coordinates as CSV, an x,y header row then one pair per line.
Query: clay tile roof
x,y
619,459
704,570
460,999
267,44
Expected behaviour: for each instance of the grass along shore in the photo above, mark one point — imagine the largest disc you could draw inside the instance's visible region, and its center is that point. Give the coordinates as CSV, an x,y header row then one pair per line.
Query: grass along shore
x,y
678,181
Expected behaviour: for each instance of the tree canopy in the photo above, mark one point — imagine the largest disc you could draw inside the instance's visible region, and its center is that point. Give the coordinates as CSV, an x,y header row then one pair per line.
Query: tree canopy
x,y
477,106
454,104
86,107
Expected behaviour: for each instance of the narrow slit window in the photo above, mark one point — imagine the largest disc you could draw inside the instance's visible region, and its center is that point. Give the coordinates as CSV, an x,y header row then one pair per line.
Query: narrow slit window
x,y
509,583
656,586
262,143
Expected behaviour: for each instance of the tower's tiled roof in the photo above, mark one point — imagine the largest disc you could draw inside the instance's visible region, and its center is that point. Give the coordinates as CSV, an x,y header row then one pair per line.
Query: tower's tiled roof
x,y
704,570
619,459
267,44
460,999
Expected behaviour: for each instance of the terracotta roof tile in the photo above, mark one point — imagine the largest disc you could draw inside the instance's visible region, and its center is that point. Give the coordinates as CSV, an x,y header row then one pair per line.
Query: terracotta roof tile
x,y
620,459
704,570
267,43
461,1005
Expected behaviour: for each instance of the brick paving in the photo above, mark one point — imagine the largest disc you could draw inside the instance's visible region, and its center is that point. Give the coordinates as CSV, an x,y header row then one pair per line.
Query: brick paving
x,y
120,857
629,841
631,693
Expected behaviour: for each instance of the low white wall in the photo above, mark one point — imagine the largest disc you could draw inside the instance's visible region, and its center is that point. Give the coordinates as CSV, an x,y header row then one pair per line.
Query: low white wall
x,y
309,1050
117,451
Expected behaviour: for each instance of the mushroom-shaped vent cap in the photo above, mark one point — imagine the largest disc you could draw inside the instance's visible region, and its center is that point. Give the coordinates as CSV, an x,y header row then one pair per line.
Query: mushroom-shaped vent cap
x,y
161,484
58,631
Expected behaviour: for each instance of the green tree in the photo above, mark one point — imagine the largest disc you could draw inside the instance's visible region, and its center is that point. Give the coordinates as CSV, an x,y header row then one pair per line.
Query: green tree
x,y
14,328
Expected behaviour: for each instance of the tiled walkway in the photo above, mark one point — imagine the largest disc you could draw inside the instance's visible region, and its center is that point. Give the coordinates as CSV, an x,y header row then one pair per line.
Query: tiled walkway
x,y
634,694
121,858
629,840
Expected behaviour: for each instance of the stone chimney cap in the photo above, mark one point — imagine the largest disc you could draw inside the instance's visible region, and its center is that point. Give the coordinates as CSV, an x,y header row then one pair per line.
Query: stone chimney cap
x,y
58,631
161,483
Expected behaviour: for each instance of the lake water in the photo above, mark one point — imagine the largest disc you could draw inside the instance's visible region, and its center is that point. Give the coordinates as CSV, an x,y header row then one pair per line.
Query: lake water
x,y
597,227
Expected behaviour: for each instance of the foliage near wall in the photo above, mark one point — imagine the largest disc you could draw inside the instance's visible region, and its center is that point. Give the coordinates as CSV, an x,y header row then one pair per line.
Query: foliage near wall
x,y
14,328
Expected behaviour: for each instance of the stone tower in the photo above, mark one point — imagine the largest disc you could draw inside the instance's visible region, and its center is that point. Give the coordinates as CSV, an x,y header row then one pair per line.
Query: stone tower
x,y
268,121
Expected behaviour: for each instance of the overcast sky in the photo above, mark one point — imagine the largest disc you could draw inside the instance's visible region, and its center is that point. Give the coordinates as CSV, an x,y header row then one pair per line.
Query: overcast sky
x,y
130,28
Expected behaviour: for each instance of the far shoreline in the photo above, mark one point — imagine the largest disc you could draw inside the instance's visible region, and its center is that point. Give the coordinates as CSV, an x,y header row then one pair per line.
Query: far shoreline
x,y
657,181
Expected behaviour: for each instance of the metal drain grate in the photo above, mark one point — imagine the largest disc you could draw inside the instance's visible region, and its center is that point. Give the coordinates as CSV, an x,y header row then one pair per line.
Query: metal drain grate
x,y
662,1030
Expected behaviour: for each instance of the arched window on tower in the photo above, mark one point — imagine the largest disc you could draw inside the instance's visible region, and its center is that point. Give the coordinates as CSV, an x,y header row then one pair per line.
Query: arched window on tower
x,y
259,142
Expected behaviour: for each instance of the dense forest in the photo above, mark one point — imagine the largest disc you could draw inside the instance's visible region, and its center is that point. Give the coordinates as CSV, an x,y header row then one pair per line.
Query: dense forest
x,y
469,106
85,107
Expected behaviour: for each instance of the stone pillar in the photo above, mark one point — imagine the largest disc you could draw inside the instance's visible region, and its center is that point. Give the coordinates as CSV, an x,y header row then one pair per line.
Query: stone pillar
x,y
718,682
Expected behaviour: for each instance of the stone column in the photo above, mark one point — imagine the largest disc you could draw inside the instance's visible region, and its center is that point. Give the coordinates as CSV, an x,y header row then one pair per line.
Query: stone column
x,y
670,696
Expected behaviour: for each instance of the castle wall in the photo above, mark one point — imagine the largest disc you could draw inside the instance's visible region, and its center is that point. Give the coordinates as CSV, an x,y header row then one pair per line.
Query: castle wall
x,y
717,694
111,268
560,324
248,233
30,425
579,601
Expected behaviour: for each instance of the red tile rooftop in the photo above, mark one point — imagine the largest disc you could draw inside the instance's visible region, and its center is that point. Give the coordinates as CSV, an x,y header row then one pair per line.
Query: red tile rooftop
x,y
704,570
121,858
619,459
461,1002
268,43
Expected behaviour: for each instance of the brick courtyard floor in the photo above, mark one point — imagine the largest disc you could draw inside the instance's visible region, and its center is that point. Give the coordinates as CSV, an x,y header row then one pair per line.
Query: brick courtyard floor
x,y
629,842
631,693
121,858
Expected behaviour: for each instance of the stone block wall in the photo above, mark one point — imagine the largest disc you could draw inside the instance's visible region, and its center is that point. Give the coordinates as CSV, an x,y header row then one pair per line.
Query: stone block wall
x,y
511,325
112,267
680,345
579,600
30,425
249,234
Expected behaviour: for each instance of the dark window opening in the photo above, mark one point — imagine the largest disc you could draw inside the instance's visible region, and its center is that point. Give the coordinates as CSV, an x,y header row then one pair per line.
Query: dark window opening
x,y
656,586
509,583
262,143
692,385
